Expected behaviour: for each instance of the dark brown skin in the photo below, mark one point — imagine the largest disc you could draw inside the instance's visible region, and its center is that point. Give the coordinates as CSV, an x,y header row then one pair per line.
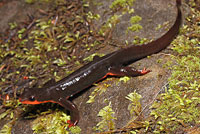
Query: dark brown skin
x,y
110,64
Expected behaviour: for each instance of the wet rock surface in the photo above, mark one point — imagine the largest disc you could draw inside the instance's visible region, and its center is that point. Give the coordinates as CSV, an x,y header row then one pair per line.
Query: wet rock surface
x,y
148,86
153,13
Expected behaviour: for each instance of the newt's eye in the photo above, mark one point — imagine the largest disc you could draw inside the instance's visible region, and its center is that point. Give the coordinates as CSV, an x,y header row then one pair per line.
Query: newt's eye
x,y
32,98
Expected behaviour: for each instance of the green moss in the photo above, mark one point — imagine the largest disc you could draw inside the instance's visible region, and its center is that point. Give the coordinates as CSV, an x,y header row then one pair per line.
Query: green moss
x,y
107,122
45,51
93,56
12,25
29,1
33,1
9,115
100,88
125,6
6,129
135,107
110,24
124,79
134,27
139,41
75,130
92,16
135,19
179,105
121,3
54,123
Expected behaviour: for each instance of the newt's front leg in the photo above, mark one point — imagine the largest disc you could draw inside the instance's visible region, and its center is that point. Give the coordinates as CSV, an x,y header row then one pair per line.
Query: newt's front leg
x,y
72,108
126,71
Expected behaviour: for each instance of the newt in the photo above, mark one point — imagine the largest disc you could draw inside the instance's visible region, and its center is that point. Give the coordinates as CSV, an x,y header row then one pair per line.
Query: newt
x,y
112,64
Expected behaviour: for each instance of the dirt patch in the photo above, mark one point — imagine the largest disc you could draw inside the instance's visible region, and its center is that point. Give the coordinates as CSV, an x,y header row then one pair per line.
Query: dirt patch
x,y
18,11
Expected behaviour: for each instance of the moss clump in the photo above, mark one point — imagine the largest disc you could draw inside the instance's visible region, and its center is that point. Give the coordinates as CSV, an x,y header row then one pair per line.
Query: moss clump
x,y
54,123
135,27
33,1
121,3
135,107
107,122
179,105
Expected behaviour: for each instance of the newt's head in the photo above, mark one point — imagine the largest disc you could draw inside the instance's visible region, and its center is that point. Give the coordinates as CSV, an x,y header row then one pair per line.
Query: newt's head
x,y
33,96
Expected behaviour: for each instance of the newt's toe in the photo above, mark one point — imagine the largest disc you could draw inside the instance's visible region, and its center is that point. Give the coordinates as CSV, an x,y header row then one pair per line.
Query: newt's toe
x,y
71,124
144,71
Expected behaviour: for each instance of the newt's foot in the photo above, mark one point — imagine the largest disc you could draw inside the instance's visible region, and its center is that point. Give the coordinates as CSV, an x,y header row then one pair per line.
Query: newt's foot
x,y
71,124
144,71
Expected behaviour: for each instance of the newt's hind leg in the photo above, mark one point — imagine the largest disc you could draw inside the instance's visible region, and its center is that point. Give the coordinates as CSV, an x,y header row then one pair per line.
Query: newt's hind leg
x,y
126,71
72,108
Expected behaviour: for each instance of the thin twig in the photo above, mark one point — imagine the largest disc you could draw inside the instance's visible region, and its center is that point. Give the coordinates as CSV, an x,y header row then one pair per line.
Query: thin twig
x,y
147,105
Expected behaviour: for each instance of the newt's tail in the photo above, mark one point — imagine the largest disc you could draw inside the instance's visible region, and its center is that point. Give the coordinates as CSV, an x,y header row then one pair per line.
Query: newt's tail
x,y
178,2
136,52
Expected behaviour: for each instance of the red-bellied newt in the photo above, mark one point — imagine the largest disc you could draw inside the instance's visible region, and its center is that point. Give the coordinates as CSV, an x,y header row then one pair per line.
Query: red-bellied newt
x,y
114,64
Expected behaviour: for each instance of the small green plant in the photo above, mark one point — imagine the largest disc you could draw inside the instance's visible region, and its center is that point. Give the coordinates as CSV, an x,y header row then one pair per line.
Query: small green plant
x,y
140,41
101,88
9,114
29,1
135,107
54,123
33,1
93,56
59,62
92,16
107,122
124,4
110,24
134,27
124,79
12,25
6,129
